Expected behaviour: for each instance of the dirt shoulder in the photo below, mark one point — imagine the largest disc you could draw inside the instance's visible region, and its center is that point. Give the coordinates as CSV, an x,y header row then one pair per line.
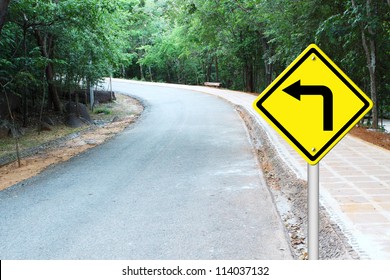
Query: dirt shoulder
x,y
375,137
62,143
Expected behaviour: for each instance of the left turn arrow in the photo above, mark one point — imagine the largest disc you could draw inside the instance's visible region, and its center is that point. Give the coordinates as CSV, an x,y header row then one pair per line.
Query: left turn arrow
x,y
296,90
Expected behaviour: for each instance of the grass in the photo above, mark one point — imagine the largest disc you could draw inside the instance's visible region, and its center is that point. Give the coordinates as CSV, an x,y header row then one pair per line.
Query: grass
x,y
104,111
31,138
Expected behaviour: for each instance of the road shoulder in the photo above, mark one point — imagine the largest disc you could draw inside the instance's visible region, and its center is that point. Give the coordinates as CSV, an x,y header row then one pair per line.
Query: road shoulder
x,y
39,157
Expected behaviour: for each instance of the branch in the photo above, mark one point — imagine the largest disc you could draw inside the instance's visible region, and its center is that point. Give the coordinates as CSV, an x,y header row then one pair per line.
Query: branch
x,y
6,84
246,9
364,39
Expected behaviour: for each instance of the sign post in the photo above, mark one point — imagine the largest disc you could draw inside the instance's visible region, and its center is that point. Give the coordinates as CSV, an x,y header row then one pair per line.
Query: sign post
x,y
313,194
312,104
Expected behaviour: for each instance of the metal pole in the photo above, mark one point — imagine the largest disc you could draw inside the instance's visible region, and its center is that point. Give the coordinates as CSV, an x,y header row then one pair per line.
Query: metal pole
x,y
313,180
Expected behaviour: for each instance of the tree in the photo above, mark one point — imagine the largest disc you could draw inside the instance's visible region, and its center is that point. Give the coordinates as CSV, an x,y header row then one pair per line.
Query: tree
x,y
3,12
367,18
244,44
357,30
71,41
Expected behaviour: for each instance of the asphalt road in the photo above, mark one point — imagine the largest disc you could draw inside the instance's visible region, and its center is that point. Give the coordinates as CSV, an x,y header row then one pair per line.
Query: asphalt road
x,y
182,183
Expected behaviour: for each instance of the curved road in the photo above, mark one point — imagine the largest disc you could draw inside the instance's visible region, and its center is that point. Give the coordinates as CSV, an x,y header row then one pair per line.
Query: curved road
x,y
182,183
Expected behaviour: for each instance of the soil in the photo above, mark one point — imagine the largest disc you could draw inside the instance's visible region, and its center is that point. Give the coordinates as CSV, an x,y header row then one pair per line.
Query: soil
x,y
378,138
124,110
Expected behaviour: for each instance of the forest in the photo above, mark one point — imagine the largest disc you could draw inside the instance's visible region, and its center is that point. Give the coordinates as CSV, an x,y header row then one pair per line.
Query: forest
x,y
50,49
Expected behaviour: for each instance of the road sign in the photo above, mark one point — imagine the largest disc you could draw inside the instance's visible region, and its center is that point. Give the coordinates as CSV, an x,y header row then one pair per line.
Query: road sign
x,y
312,104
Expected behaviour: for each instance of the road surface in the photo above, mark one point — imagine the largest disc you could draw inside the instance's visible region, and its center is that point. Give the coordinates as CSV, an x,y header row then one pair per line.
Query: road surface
x,y
182,183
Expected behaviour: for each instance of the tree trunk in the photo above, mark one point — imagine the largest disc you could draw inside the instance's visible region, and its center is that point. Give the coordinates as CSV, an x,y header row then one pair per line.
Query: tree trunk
x,y
371,64
3,12
208,73
24,108
249,81
268,67
150,73
13,127
141,70
369,46
45,43
268,73
216,69
53,94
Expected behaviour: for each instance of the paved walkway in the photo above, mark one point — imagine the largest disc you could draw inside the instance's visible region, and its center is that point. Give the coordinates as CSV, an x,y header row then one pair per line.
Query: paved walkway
x,y
354,182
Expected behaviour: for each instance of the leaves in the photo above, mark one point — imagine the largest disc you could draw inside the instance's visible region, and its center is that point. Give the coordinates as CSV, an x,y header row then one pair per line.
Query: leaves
x,y
242,43
90,37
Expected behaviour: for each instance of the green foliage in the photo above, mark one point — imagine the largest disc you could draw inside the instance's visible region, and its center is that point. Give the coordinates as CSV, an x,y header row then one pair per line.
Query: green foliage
x,y
84,40
244,44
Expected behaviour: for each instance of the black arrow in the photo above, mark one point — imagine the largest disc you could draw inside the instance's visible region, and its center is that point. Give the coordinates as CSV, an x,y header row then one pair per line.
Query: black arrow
x,y
296,90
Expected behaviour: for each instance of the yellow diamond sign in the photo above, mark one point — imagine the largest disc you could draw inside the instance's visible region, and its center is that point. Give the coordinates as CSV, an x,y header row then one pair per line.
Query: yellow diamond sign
x,y
312,104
